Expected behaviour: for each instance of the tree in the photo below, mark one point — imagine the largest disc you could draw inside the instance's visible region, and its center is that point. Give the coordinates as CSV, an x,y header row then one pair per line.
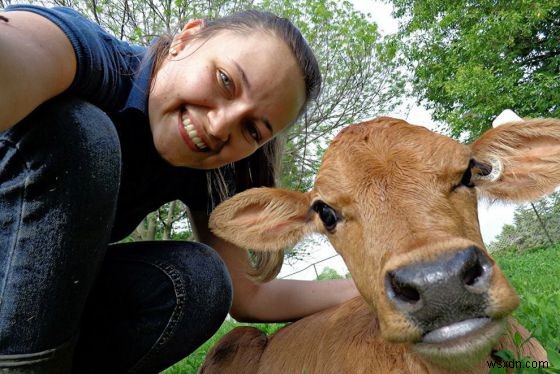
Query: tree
x,y
169,222
360,79
329,273
532,227
472,59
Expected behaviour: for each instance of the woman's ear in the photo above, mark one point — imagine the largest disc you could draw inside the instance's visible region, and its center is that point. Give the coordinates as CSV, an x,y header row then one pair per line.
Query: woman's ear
x,y
180,40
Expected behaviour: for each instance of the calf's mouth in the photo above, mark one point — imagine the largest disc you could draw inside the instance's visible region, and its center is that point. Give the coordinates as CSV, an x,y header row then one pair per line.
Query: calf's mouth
x,y
461,344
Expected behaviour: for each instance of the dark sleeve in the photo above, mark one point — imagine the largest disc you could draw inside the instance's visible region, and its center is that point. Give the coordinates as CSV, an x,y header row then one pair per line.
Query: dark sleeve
x,y
105,65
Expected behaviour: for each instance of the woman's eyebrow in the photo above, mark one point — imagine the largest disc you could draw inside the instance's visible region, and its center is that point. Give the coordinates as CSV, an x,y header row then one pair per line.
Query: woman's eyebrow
x,y
268,125
243,75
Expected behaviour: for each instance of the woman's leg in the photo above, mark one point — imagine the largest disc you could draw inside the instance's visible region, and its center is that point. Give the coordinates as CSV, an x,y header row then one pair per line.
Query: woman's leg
x,y
152,305
59,173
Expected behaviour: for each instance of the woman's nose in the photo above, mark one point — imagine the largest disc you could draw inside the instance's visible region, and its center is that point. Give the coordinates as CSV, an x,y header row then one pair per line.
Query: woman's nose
x,y
225,120
219,128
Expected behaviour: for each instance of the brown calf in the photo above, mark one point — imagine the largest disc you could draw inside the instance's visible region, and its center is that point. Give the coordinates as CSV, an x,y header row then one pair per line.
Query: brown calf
x,y
399,203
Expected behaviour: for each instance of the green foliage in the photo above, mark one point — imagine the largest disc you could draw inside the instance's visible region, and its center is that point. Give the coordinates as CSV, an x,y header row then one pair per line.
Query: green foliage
x,y
360,80
534,275
329,273
472,59
522,364
554,360
169,222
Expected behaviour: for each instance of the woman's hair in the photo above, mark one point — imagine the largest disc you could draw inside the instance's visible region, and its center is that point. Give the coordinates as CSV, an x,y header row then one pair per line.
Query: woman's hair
x,y
260,169
250,21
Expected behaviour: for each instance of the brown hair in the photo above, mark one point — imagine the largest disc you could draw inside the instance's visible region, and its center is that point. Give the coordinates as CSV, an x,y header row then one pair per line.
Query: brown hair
x,y
250,21
262,167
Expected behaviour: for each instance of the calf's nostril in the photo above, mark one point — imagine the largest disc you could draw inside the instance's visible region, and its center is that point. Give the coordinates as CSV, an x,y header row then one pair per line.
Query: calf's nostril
x,y
472,273
476,271
401,290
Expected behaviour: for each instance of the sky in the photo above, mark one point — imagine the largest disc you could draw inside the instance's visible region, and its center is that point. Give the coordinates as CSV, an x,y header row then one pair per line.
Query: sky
x,y
491,218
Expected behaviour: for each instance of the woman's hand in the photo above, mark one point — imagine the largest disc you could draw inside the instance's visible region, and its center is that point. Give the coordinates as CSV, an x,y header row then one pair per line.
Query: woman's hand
x,y
37,62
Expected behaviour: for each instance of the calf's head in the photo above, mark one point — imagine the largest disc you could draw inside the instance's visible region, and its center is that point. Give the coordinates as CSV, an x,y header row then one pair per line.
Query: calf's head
x,y
399,203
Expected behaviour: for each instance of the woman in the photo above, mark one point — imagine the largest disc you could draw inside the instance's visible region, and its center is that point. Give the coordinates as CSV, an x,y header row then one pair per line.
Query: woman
x,y
97,133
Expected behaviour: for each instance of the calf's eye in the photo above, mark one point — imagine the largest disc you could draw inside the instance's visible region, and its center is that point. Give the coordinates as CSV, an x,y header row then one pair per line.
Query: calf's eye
x,y
478,171
466,180
327,214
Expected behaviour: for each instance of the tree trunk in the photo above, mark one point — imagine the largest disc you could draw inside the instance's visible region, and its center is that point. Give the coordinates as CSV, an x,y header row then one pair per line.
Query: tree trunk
x,y
168,225
151,229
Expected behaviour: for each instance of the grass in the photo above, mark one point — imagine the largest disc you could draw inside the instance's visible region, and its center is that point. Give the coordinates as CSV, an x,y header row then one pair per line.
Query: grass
x,y
535,275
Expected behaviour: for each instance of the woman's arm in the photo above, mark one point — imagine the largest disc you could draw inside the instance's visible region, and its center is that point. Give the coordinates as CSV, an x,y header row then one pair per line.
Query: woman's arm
x,y
37,62
277,300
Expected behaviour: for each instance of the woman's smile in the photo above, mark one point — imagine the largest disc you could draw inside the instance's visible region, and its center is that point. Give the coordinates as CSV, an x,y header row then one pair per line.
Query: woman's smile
x,y
192,134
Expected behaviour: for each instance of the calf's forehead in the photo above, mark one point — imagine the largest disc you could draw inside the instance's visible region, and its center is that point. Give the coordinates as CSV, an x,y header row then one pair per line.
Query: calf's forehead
x,y
384,157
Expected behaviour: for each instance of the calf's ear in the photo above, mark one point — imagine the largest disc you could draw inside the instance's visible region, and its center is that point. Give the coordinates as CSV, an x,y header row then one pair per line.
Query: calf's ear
x,y
520,160
263,219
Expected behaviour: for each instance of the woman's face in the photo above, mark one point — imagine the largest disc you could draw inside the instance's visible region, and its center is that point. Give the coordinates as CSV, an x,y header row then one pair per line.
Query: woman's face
x,y
217,100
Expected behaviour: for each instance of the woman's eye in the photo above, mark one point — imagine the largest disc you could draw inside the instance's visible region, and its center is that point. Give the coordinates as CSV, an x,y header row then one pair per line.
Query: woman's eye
x,y
254,132
327,214
225,79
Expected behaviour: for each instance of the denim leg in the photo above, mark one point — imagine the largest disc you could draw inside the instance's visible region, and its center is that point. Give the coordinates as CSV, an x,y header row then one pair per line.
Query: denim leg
x,y
59,179
152,305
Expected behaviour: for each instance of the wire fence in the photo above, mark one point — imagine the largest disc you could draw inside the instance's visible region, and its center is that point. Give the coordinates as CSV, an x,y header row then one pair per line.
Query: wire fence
x,y
313,265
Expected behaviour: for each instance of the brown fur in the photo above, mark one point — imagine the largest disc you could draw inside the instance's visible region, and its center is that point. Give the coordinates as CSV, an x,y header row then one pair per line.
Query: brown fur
x,y
397,190
343,339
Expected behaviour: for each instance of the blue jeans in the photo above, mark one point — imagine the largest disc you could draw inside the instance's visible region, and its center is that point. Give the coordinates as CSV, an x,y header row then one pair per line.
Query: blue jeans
x,y
69,301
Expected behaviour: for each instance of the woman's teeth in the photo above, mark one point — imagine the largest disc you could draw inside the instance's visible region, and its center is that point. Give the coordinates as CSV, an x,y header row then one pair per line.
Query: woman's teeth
x,y
189,128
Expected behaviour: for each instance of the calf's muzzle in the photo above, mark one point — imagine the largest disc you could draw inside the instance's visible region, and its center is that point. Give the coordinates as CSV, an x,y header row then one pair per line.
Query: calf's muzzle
x,y
439,293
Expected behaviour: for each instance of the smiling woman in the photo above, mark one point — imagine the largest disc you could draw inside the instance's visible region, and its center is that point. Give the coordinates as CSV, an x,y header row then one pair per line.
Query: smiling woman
x,y
95,133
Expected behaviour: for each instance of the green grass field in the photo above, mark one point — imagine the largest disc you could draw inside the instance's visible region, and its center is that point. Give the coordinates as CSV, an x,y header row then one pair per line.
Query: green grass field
x,y
535,275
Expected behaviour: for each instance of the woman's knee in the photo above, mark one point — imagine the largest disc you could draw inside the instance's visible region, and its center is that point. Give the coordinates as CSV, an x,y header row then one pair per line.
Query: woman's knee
x,y
59,179
204,296
62,161
75,142
204,271
186,283
199,277
67,143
